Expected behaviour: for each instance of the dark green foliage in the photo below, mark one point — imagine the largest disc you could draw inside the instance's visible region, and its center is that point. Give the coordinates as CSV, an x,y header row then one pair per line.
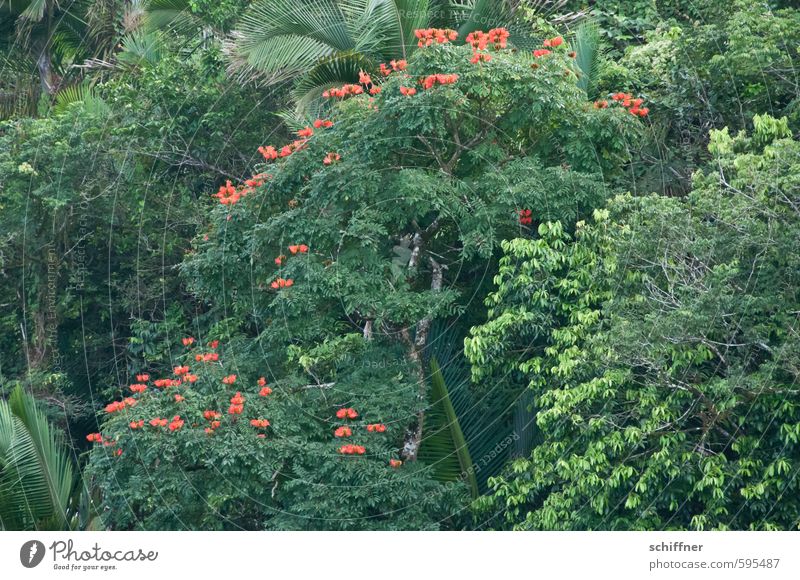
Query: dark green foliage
x,y
291,479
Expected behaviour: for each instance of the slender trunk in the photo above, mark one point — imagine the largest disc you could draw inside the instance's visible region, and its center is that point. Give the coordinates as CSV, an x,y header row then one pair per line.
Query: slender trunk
x,y
43,62
416,350
46,71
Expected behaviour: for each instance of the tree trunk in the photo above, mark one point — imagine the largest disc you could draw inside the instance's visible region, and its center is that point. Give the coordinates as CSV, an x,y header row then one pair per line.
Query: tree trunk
x,y
416,351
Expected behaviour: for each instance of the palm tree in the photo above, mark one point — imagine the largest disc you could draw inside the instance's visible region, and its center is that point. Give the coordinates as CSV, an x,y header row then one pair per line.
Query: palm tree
x,y
39,488
41,40
324,43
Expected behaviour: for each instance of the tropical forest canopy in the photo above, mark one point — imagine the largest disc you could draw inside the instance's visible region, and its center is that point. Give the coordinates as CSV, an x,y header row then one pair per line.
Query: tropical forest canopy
x,y
399,265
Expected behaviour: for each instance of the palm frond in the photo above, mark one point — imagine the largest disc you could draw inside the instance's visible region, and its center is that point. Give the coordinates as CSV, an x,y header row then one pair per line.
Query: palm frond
x,y
36,475
279,39
444,446
140,47
589,48
486,416
82,93
34,11
399,19
329,72
175,15
484,15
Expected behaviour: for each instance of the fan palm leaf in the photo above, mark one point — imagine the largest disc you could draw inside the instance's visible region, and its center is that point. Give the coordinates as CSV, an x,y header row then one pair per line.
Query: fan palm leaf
x,y
589,49
279,40
83,94
282,39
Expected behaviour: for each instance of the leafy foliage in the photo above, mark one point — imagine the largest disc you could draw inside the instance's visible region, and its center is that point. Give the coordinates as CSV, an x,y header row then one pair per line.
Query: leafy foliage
x,y
290,474
663,359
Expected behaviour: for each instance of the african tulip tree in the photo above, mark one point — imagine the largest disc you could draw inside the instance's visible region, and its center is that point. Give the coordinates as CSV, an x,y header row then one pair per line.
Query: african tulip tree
x,y
400,199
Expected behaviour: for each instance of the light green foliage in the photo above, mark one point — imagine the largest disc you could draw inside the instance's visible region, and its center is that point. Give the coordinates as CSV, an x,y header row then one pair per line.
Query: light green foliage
x,y
666,401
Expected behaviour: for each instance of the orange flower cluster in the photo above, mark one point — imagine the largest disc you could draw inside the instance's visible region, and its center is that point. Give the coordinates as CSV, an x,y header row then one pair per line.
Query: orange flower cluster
x,y
634,106
190,378
158,422
176,423
164,383
229,380
270,153
366,80
138,388
540,52
395,463
432,80
525,217
497,38
281,283
143,378
346,413
119,405
343,432
394,66
237,404
228,194
408,91
265,390
179,398
213,417
428,36
259,423
343,91
213,344
306,132
300,249
136,424
554,42
188,341
182,370
256,181
376,428
323,123
331,158
352,450
207,357
94,438
279,260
